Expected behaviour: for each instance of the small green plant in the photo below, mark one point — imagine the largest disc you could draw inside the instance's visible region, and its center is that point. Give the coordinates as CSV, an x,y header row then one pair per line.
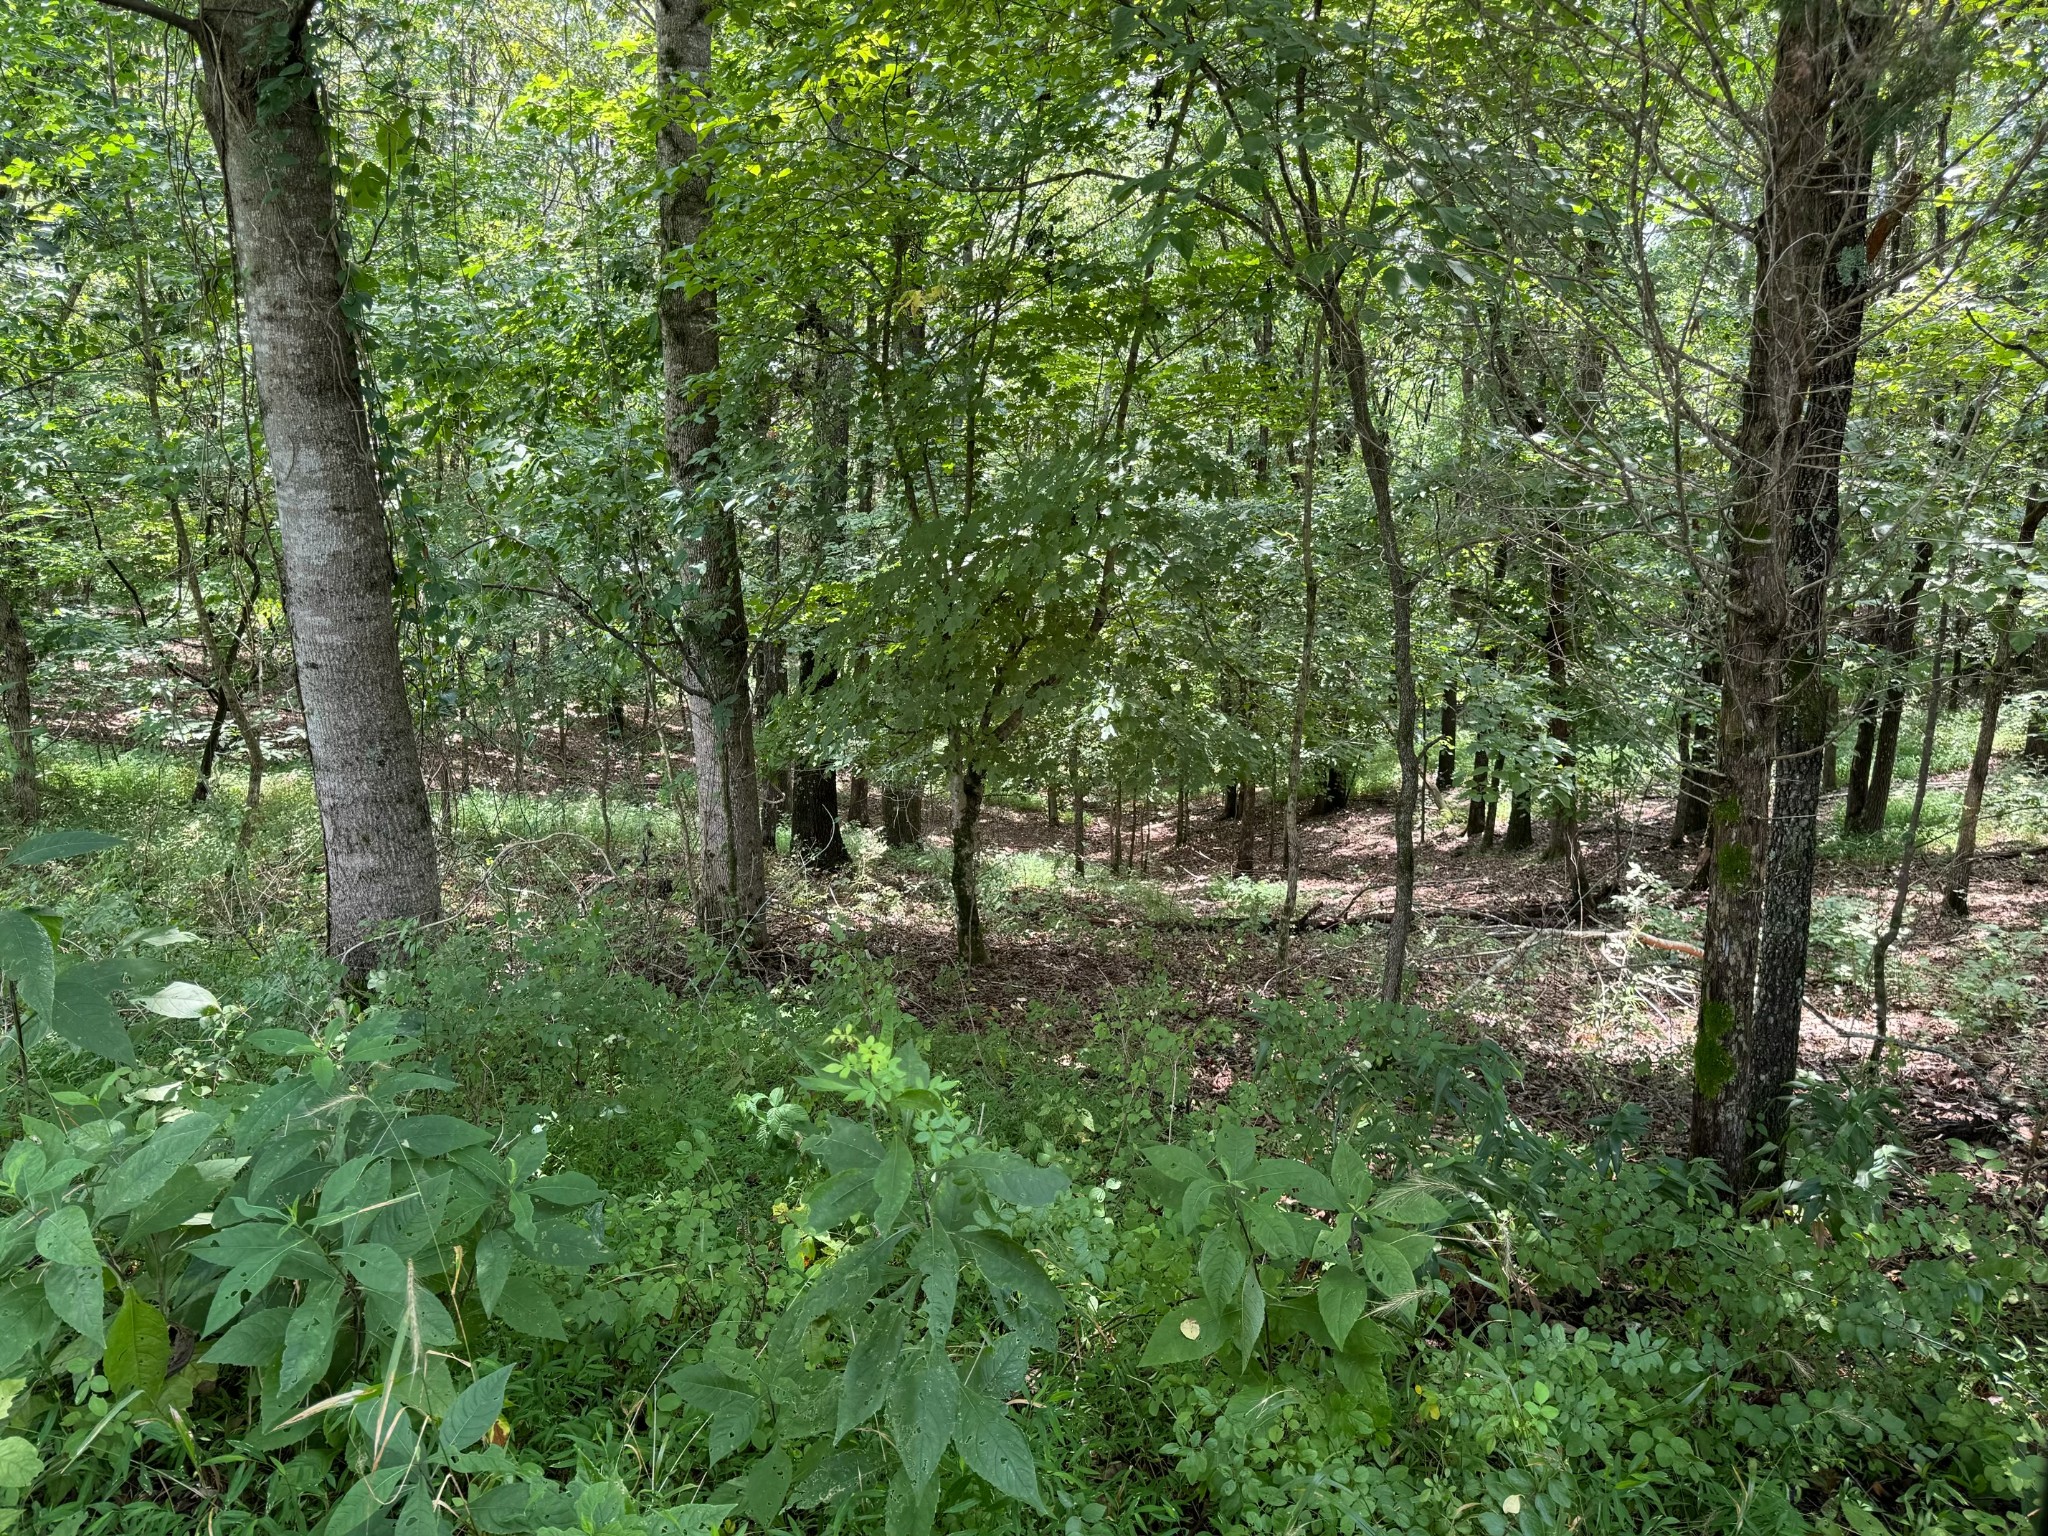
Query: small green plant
x,y
922,1315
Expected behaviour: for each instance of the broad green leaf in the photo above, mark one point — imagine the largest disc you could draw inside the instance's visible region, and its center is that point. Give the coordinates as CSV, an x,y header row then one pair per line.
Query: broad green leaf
x,y
180,1000
79,1297
475,1409
138,1348
522,1304
1191,1331
65,1237
436,1135
1251,1312
1177,1163
257,1341
937,1262
835,1202
149,1167
308,1343
20,1466
924,1404
733,1410
892,1182
66,843
575,1189
1349,1173
864,1386
81,1014
1236,1150
1341,1297
1006,1265
27,960
1411,1207
1311,1186
495,1251
1386,1268
995,1449
1221,1266
764,1490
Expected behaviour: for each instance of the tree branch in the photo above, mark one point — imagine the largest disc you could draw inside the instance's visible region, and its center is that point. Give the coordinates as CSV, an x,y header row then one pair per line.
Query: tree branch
x,y
164,14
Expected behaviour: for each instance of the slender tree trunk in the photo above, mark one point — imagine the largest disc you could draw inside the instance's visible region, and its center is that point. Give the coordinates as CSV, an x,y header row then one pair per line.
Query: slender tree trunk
x,y
1377,452
969,944
1247,826
220,661
16,663
814,833
1996,678
1180,815
1447,754
1475,808
1880,990
1899,640
1052,805
1805,330
1861,754
857,800
732,888
1305,674
1521,832
262,107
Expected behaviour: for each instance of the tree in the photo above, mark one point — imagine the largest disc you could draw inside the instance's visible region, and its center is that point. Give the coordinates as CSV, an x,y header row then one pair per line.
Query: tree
x,y
263,109
732,887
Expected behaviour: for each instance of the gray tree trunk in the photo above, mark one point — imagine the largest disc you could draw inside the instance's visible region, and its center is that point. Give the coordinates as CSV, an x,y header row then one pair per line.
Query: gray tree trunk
x,y
732,888
16,662
263,109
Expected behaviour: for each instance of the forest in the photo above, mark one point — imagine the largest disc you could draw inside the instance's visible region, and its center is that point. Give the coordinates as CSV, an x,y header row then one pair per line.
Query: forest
x,y
1023,766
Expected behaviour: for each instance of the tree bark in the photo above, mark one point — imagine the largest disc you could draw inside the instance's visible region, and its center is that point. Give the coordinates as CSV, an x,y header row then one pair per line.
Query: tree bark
x,y
263,109
902,816
1521,831
732,888
16,663
857,799
969,944
1806,325
1996,678
1447,753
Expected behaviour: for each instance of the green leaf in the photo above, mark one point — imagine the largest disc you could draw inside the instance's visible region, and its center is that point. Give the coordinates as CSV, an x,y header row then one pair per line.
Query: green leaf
x,y
1309,1185
734,1410
523,1305
892,1182
65,1237
1221,1267
1251,1312
1177,1163
436,1135
1236,1150
149,1167
1412,1207
566,1189
27,960
256,1342
1190,1331
68,843
836,1200
1341,1296
1386,1268
83,1015
764,1490
475,1409
495,1251
308,1343
1348,1171
924,1404
138,1348
180,1000
79,1297
1009,1177
20,1466
1006,1265
869,1366
995,1450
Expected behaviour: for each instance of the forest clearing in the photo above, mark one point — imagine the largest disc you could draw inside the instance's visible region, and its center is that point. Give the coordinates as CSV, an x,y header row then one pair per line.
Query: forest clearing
x,y
1240,766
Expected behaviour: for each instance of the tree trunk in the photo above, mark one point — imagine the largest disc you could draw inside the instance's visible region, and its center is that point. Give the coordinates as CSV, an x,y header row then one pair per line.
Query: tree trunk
x,y
814,819
732,891
1052,805
1806,324
1229,811
16,662
1899,646
1521,832
1180,815
1861,753
1475,808
1377,452
1247,826
857,799
263,109
969,944
902,816
1447,754
1996,678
